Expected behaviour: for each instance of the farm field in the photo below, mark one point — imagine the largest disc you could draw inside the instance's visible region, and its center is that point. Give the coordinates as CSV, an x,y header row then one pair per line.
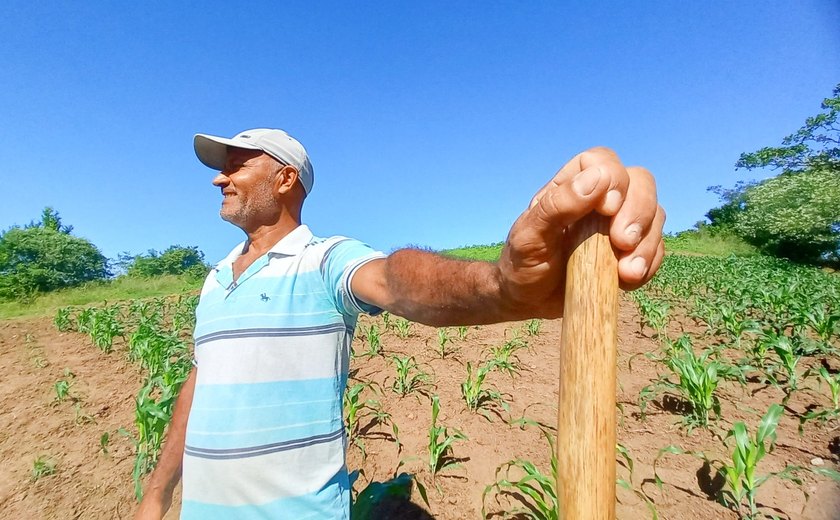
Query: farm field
x,y
711,344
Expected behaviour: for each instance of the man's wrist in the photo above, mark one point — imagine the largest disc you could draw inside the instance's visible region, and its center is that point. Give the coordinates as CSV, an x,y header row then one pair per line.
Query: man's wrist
x,y
160,491
155,494
510,308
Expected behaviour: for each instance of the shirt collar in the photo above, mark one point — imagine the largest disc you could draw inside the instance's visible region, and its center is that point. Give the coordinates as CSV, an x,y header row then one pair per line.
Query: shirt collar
x,y
291,244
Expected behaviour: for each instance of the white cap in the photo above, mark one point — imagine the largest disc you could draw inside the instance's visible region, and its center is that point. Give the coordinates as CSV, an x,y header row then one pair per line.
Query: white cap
x,y
212,150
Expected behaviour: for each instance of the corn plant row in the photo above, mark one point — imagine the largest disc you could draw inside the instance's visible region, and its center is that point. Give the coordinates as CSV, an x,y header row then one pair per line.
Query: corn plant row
x,y
759,318
156,333
772,316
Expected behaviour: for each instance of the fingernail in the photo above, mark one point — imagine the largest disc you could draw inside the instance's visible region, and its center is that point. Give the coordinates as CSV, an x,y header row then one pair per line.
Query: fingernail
x,y
634,233
639,266
585,182
612,202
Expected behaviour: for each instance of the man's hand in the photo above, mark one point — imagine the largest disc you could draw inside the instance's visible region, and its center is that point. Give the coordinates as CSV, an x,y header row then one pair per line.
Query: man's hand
x,y
533,261
153,507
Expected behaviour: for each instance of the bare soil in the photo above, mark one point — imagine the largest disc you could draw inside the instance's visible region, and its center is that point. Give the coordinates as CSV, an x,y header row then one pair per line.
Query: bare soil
x,y
92,482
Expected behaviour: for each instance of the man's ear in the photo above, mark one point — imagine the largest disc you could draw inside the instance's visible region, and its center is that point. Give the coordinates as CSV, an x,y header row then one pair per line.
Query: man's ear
x,y
285,179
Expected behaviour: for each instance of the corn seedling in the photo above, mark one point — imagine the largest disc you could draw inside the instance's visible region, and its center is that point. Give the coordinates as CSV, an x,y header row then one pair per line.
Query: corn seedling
x,y
151,417
504,357
356,409
462,332
441,440
381,417
740,479
183,318
697,380
443,339
822,322
62,320
83,320
373,338
735,324
516,342
62,386
104,440
758,349
42,466
833,382
158,351
479,399
787,365
387,324
652,312
669,349
80,416
62,390
403,327
626,461
537,491
532,327
104,327
409,376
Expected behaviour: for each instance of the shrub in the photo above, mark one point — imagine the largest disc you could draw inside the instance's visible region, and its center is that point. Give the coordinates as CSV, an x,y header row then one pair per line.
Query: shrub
x,y
175,260
44,257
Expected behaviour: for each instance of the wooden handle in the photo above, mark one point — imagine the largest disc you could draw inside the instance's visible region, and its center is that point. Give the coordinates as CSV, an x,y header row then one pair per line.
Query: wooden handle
x,y
586,419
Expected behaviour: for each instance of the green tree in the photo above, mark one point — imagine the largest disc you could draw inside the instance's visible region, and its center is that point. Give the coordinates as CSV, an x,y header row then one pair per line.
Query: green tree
x,y
815,145
44,256
723,217
175,259
796,214
50,219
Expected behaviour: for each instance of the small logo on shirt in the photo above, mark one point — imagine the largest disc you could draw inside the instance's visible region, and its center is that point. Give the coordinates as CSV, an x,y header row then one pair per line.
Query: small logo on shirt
x,y
264,297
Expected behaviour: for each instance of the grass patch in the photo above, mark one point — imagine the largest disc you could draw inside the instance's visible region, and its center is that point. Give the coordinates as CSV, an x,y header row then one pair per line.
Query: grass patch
x,y
705,242
691,242
122,288
488,253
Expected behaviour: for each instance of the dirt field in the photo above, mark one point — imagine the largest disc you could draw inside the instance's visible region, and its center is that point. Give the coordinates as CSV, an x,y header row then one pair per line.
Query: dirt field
x,y
89,482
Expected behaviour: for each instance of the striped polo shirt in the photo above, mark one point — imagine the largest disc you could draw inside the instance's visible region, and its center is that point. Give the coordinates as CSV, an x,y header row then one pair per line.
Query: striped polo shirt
x,y
265,436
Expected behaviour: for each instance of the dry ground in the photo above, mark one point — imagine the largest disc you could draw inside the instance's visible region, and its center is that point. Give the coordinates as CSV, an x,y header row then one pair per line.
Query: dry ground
x,y
90,483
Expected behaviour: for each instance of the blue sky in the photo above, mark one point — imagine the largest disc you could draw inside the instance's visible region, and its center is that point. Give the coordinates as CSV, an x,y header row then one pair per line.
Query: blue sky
x,y
427,123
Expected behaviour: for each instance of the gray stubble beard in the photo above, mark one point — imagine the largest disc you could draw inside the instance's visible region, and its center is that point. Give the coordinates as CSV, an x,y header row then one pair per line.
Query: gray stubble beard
x,y
259,201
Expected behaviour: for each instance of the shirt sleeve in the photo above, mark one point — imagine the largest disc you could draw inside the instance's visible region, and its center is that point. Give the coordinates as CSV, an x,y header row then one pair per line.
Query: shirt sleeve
x,y
341,261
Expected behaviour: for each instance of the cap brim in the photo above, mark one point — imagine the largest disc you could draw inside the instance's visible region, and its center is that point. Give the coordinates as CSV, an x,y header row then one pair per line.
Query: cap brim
x,y
212,150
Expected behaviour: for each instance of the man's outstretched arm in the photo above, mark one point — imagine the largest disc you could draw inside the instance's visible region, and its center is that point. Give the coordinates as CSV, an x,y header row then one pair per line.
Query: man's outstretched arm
x,y
428,288
157,497
529,279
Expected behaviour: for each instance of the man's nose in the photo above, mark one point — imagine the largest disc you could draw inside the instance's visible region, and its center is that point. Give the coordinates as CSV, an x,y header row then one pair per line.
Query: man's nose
x,y
221,180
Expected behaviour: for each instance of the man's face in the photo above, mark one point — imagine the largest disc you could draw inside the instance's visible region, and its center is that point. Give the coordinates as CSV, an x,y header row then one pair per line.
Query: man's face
x,y
246,184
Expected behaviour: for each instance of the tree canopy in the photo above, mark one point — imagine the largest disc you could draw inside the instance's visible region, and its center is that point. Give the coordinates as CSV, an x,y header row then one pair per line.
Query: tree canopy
x,y
175,260
44,256
815,145
797,213
793,215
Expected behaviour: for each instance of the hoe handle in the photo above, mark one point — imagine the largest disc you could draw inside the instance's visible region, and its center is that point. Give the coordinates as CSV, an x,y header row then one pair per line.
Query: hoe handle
x,y
586,437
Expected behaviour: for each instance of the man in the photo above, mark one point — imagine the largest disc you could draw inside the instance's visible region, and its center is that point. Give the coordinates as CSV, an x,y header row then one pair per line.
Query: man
x,y
276,317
